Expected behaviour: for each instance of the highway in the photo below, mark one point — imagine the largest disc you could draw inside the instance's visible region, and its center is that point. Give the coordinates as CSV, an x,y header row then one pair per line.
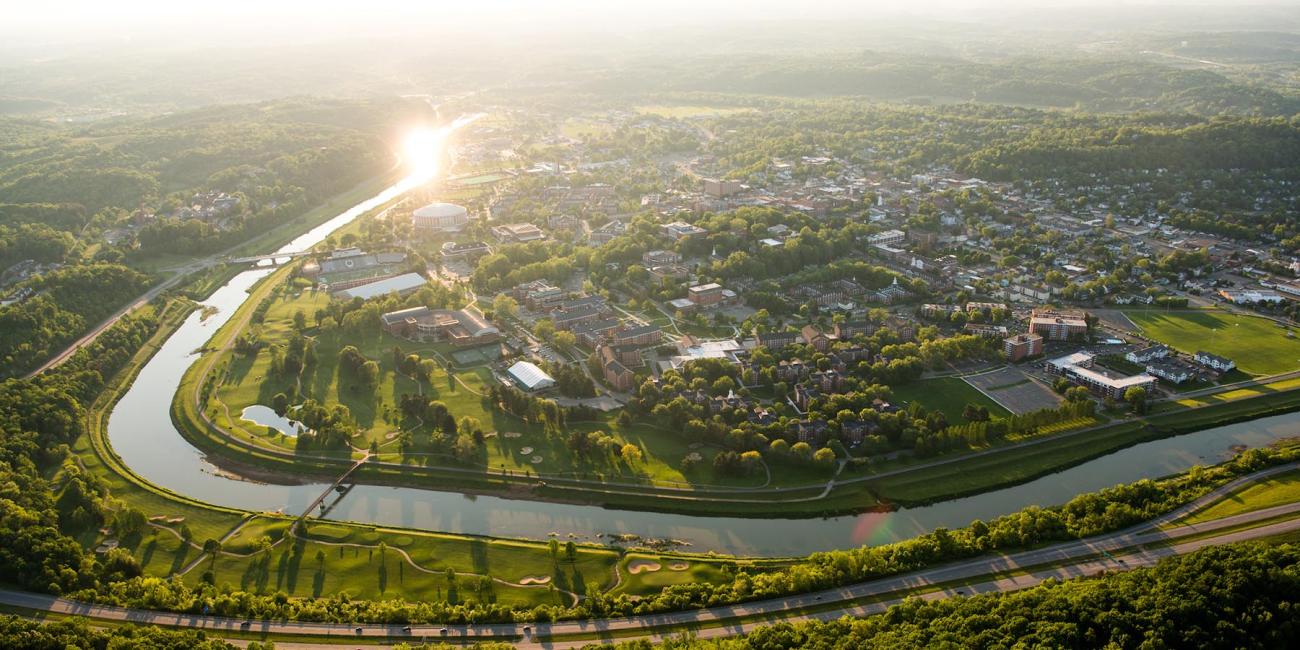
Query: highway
x,y
1140,545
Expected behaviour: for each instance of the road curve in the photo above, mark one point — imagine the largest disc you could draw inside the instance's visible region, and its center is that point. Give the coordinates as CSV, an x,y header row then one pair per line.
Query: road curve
x,y
1118,550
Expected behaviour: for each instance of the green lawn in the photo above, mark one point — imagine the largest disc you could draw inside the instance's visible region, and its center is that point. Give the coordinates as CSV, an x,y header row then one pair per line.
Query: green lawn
x,y
1274,491
1258,345
947,394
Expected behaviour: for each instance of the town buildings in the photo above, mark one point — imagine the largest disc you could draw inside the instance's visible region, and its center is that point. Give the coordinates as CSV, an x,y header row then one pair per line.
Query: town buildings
x,y
1056,325
1022,346
460,327
1078,367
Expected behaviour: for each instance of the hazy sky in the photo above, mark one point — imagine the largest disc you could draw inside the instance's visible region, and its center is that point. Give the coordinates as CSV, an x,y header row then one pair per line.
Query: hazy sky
x,y
297,20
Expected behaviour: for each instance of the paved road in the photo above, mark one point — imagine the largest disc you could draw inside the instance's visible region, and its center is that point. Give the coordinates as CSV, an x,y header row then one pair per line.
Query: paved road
x,y
144,299
1072,559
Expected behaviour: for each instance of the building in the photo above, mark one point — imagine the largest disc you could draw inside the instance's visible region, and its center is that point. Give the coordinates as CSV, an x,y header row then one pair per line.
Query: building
x,y
776,340
639,336
1077,367
440,217
400,285
1058,325
682,230
616,373
567,319
1022,346
461,327
890,294
1146,355
689,349
1251,296
1214,361
529,377
986,331
887,238
517,233
721,188
705,295
657,258
468,250
1169,371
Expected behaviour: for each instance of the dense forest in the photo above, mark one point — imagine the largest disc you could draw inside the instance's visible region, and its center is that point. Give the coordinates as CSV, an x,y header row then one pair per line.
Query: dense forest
x,y
1095,85
67,302
1241,596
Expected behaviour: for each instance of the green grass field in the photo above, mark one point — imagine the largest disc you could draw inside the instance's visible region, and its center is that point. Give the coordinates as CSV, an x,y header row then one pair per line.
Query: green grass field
x,y
1274,491
947,394
1258,345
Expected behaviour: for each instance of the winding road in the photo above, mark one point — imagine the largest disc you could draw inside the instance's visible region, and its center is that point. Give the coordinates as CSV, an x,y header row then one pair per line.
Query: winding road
x,y
1137,546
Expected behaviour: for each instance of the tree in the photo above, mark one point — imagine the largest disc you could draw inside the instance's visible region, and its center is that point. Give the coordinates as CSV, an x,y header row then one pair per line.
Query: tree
x,y
505,305
300,320
1136,396
824,457
630,453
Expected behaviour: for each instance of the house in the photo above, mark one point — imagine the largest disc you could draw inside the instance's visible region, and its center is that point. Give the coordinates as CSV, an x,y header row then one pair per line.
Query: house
x,y
1147,354
1214,361
1169,371
1022,346
1251,296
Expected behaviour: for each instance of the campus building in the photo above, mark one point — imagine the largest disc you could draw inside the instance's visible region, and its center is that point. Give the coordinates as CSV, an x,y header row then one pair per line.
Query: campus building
x,y
1077,367
1058,325
1214,361
440,217
1022,346
460,327
529,377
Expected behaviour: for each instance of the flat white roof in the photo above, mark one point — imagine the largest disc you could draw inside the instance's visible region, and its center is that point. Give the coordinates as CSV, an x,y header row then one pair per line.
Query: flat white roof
x,y
530,376
404,282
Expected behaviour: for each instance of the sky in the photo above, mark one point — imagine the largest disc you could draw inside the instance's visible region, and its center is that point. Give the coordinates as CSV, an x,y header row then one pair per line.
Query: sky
x,y
303,20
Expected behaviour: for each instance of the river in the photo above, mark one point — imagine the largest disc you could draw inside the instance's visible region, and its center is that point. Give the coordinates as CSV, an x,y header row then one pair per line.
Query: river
x,y
140,430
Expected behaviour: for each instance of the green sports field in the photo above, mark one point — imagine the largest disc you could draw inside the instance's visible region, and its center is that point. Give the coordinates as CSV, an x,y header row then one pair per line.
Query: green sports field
x,y
947,394
1258,345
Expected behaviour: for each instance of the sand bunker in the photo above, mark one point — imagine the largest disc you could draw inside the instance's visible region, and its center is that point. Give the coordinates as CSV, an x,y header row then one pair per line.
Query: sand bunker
x,y
392,434
694,456
536,460
535,580
511,434
526,450
679,566
643,566
176,520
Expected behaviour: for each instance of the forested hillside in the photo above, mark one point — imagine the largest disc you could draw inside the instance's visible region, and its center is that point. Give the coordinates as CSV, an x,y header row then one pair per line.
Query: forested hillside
x,y
1095,85
1241,596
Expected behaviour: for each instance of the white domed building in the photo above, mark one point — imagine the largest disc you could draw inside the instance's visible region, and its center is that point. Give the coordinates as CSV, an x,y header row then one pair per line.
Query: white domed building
x,y
440,217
